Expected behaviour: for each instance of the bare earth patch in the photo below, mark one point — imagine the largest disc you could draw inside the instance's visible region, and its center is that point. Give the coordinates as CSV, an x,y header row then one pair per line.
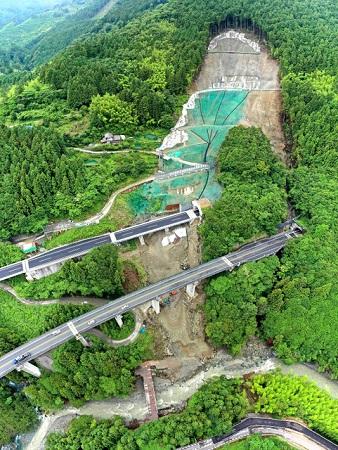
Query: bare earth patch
x,y
179,328
263,110
233,61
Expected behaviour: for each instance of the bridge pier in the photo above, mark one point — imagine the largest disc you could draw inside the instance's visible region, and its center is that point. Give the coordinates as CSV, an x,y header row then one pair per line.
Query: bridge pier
x,y
196,205
28,274
83,340
30,368
141,239
119,320
155,303
191,289
77,335
113,238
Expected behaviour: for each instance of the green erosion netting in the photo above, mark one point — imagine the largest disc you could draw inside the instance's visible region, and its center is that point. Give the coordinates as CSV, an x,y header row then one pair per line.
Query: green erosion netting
x,y
208,123
171,165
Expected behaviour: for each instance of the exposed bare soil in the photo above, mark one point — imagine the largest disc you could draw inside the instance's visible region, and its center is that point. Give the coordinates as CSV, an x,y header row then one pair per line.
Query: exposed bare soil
x,y
263,110
178,329
263,105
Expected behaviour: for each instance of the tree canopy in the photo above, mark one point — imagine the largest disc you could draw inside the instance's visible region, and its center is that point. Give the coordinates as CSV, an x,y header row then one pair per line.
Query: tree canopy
x,y
212,410
253,201
99,274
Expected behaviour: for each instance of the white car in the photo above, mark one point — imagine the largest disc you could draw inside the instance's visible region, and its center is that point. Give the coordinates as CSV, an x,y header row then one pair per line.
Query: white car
x,y
91,322
125,306
56,332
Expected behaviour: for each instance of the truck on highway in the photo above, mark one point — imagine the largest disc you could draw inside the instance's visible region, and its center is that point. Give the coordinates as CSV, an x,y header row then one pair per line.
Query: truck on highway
x,y
22,358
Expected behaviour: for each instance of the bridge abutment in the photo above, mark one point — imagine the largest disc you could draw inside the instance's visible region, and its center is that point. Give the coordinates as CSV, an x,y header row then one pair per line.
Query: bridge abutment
x,y
156,305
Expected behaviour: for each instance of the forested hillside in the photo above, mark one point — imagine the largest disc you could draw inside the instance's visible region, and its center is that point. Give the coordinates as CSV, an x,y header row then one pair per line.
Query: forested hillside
x,y
14,12
40,179
141,69
23,22
58,37
34,169
211,412
33,32
253,201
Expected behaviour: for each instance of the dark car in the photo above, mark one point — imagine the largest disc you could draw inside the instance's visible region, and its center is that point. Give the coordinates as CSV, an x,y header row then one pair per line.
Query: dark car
x,y
21,358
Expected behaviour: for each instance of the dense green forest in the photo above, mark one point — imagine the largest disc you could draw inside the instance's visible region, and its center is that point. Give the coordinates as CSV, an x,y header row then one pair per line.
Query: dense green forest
x,y
41,180
32,34
9,253
211,411
253,200
236,303
82,277
273,292
15,13
140,70
22,323
94,373
34,170
17,414
257,442
289,395
37,30
59,36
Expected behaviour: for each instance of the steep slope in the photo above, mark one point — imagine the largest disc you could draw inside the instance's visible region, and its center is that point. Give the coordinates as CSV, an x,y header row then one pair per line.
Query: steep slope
x,y
153,58
58,37
20,24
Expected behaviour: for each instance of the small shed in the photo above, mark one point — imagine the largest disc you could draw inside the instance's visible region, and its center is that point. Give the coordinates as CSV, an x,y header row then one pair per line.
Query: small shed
x,y
110,138
28,247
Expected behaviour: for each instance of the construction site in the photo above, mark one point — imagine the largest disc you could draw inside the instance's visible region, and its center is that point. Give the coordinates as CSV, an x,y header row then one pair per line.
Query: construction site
x,y
238,85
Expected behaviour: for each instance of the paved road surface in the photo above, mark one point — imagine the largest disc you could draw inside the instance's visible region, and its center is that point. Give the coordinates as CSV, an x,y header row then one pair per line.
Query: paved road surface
x,y
61,334
11,271
154,225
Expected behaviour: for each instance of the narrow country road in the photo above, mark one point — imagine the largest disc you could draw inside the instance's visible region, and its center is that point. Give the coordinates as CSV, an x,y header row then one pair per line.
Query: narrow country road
x,y
168,394
81,301
104,211
111,152
294,432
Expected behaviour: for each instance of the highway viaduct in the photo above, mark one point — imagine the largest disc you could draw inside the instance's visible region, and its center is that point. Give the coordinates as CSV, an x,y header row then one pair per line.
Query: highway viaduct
x,y
59,335
80,248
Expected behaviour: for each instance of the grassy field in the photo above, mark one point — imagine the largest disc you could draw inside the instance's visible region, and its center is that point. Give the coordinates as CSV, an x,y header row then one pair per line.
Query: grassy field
x,y
120,216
